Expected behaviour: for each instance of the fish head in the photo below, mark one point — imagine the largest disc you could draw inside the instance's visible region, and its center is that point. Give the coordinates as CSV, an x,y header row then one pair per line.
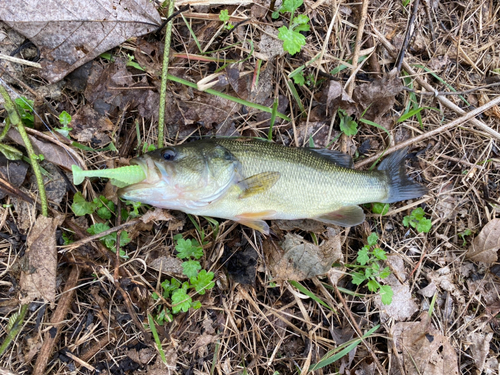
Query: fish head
x,y
184,177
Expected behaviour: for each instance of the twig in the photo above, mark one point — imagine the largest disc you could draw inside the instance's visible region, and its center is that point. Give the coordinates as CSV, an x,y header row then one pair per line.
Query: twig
x,y
57,319
358,330
357,45
470,115
409,30
20,61
442,93
447,103
164,72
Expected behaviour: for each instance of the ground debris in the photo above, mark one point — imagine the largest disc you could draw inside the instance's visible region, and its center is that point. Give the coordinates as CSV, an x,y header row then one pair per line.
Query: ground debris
x,y
485,246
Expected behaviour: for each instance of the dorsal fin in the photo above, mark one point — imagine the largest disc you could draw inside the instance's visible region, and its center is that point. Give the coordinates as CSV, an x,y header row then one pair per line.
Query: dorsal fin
x,y
336,157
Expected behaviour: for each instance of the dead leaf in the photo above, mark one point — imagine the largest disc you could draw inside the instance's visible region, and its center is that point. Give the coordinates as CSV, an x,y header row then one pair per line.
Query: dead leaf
x,y
157,214
337,97
378,97
479,347
142,356
202,343
307,225
485,246
167,265
14,172
298,259
50,151
270,46
55,184
71,33
423,349
38,279
160,368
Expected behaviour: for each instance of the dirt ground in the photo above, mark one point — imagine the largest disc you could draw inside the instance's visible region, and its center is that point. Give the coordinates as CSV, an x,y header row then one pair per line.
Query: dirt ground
x,y
275,305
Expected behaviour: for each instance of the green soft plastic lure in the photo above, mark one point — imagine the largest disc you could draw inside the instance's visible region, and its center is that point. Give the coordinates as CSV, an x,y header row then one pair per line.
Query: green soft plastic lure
x,y
120,177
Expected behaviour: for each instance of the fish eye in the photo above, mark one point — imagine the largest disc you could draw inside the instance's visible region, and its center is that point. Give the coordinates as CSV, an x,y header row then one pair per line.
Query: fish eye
x,y
168,155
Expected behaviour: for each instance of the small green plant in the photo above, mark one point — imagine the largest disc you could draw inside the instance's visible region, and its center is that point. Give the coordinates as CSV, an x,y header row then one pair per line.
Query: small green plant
x,y
368,269
65,120
225,17
380,208
293,40
417,220
25,109
105,209
464,234
189,250
347,125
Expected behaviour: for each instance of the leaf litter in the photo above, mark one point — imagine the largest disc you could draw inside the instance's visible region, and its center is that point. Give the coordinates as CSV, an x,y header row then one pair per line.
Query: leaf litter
x,y
254,313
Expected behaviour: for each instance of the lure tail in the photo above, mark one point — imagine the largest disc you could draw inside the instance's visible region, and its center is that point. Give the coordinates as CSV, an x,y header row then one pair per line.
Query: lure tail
x,y
120,177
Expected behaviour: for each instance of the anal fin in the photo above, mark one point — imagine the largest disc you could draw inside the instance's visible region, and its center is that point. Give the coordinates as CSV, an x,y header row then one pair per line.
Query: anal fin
x,y
255,220
347,216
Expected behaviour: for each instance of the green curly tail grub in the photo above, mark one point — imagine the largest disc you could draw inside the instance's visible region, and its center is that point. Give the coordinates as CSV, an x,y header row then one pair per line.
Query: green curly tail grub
x,y
120,177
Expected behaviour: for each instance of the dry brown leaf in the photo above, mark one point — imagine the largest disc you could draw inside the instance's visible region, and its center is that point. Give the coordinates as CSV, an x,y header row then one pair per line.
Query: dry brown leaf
x,y
423,349
167,265
38,279
13,171
157,214
485,246
50,151
479,347
71,33
298,259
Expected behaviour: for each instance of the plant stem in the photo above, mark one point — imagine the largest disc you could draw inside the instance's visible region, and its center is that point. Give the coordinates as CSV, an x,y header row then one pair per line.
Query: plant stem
x,y
16,327
164,77
15,120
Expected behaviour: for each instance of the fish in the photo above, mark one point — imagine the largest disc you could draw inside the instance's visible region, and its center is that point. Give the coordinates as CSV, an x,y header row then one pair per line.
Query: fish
x,y
250,181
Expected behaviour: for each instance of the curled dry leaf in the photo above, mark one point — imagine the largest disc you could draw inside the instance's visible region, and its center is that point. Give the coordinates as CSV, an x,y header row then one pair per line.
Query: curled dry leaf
x,y
485,246
423,349
71,33
297,259
38,279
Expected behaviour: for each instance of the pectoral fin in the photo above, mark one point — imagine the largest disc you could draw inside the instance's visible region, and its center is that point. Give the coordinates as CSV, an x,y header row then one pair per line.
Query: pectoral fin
x,y
347,216
254,220
258,183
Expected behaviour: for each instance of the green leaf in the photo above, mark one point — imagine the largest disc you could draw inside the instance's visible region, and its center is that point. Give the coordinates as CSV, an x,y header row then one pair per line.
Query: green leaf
x,y
358,277
379,254
65,118
347,125
155,296
203,281
180,301
363,256
424,225
169,287
301,19
196,305
385,273
291,5
11,153
188,248
372,239
80,206
98,228
386,293
292,41
406,221
104,213
380,208
372,285
418,213
191,268
224,15
275,15
301,27
299,79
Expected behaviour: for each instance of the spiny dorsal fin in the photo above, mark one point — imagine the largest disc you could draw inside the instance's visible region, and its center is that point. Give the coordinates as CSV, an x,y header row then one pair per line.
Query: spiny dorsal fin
x,y
258,183
336,157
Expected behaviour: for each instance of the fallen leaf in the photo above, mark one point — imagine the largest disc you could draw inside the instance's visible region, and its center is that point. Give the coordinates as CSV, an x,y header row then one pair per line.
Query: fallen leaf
x,y
402,307
423,349
485,246
297,259
160,368
201,344
13,171
378,97
167,265
71,33
479,347
157,214
38,279
50,151
142,356
241,265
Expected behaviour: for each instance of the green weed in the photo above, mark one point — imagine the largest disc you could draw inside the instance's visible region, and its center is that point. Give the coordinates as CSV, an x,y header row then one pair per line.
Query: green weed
x,y
293,40
368,269
417,220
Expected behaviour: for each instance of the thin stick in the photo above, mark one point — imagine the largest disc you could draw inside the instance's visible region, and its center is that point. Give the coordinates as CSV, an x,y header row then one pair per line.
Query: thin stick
x,y
164,72
357,45
434,132
57,319
409,30
20,61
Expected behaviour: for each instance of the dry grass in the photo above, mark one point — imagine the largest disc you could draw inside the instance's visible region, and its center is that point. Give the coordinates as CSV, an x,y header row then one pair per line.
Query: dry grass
x,y
272,327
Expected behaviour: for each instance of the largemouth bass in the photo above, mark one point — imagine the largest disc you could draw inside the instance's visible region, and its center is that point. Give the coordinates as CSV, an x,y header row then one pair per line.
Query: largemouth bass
x,y
249,181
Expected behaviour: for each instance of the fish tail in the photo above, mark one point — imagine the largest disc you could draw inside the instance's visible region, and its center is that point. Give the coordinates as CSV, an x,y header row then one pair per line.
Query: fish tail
x,y
400,186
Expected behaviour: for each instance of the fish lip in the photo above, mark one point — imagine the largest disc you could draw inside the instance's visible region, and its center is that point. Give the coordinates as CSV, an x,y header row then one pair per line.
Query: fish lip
x,y
152,172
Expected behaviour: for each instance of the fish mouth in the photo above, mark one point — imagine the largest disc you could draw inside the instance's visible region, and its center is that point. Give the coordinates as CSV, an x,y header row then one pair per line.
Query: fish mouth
x,y
153,176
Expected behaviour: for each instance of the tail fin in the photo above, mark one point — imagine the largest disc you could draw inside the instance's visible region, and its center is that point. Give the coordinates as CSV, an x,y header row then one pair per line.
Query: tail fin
x,y
400,186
